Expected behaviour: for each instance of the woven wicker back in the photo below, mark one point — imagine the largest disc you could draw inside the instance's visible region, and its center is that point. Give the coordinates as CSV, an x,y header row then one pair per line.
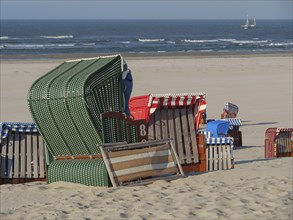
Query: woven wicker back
x,y
66,103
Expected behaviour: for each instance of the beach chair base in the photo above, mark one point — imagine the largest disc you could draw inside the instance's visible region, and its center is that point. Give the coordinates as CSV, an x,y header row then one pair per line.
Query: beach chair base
x,y
237,136
91,172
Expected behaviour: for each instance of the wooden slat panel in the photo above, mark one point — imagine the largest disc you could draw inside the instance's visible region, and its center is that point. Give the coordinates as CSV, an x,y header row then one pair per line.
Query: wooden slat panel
x,y
229,157
186,137
151,128
220,157
179,136
210,157
22,155
172,133
216,157
172,170
35,155
29,153
4,156
137,151
141,162
41,157
192,135
224,157
164,123
16,155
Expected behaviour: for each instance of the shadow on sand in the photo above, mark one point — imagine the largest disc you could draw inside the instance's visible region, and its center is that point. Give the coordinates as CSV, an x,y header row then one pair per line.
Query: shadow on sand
x,y
251,161
244,123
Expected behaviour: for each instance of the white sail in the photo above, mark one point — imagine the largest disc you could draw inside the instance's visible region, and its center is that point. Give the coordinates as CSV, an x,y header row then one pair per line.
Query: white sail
x,y
247,25
254,23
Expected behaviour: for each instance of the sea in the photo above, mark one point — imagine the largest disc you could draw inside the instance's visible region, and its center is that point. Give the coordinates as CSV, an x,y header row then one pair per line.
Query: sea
x,y
33,37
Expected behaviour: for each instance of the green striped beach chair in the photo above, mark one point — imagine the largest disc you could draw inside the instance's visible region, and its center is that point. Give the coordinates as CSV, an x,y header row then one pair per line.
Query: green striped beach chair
x,y
66,104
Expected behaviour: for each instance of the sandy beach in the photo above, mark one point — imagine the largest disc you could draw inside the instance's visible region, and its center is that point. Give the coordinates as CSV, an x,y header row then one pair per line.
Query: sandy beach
x,y
258,188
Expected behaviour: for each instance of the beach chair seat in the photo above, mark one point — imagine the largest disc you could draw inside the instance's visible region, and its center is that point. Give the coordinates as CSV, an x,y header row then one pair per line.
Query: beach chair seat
x,y
278,142
67,103
22,153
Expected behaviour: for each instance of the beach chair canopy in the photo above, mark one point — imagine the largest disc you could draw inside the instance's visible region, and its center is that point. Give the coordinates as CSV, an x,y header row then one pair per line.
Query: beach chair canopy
x,y
67,103
142,107
230,110
218,128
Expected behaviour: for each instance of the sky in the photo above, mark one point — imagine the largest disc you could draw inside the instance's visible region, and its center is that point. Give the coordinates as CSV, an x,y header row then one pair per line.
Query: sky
x,y
151,9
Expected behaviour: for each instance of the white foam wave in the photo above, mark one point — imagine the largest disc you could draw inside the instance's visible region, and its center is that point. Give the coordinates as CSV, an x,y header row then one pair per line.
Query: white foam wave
x,y
4,38
89,44
206,50
199,41
125,42
35,46
171,42
151,40
250,41
227,40
280,44
58,37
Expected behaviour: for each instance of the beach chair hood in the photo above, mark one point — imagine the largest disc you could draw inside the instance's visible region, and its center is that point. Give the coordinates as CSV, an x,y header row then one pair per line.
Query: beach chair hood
x,y
218,128
142,107
67,102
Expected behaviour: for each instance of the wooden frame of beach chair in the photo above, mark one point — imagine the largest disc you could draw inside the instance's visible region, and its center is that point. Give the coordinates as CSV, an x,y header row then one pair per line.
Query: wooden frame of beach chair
x,y
117,121
22,153
141,163
175,116
219,153
66,105
234,131
278,142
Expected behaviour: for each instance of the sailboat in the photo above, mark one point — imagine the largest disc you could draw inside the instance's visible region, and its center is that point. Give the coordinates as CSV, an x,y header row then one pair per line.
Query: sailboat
x,y
253,25
247,25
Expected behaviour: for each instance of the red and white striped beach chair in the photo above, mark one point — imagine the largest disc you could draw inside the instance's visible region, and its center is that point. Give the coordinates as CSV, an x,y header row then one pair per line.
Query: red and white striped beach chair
x,y
175,116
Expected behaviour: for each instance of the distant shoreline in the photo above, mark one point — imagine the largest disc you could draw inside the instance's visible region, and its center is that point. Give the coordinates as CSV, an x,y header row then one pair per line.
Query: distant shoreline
x,y
145,55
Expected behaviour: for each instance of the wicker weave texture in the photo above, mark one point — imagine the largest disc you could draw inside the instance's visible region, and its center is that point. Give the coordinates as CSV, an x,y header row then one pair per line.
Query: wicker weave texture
x,y
66,103
91,172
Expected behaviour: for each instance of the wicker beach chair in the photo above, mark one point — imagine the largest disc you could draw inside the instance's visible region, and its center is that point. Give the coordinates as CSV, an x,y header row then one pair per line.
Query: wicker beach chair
x,y
66,104
230,110
22,153
278,142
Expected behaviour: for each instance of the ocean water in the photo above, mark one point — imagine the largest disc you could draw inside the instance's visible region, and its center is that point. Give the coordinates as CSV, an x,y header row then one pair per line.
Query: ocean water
x,y
142,36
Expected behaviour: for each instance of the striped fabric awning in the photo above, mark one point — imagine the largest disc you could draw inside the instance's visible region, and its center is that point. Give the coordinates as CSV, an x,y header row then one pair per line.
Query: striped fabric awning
x,y
142,107
279,130
16,126
220,140
233,122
